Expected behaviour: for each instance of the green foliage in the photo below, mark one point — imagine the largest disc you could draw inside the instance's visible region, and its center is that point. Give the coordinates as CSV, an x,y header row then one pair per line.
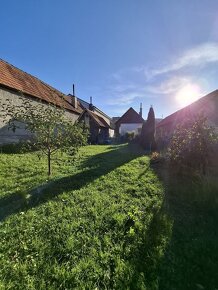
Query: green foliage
x,y
12,148
129,136
192,144
49,128
148,132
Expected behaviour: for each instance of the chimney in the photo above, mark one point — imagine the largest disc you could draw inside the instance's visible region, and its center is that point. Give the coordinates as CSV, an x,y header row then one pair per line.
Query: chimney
x,y
74,99
140,112
90,104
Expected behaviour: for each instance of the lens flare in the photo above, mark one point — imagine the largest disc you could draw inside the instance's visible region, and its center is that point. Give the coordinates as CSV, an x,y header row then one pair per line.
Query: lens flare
x,y
188,94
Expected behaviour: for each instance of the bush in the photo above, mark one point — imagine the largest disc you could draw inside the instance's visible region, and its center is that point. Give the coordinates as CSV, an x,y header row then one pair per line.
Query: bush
x,y
14,148
191,145
129,136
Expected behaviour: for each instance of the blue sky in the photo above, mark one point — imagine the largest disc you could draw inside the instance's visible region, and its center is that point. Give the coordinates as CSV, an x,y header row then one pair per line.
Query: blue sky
x,y
120,52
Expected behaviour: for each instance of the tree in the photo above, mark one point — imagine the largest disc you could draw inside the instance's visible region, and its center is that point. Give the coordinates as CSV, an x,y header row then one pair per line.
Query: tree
x,y
148,132
49,129
191,145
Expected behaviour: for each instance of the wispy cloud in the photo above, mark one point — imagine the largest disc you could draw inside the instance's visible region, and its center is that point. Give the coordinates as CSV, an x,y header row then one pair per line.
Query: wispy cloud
x,y
130,85
169,86
124,94
198,56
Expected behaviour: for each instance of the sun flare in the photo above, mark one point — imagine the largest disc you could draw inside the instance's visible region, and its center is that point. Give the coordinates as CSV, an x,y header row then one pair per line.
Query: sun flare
x,y
188,94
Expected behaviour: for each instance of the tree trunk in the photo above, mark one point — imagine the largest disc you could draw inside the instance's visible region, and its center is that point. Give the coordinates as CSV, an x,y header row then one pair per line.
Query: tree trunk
x,y
49,163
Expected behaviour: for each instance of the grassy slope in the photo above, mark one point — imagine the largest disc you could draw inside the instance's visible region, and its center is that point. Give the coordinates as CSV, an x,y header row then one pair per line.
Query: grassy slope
x,y
92,227
104,223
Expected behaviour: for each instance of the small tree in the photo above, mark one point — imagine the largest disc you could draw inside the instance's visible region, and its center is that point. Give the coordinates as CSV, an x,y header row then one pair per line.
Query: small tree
x,y
191,144
148,132
49,129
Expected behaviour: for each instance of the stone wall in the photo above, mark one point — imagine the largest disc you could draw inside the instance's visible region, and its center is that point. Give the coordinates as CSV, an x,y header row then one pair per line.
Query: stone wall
x,y
8,136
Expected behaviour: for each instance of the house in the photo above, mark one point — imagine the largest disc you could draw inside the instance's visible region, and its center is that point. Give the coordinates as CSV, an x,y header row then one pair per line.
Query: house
x,y
17,85
98,127
99,123
207,105
130,121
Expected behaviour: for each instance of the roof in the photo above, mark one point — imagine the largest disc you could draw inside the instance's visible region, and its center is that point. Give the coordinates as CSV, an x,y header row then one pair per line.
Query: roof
x,y
99,120
86,105
20,81
131,116
115,119
207,105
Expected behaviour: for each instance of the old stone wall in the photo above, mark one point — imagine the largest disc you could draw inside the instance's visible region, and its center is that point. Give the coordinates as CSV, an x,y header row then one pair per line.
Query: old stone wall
x,y
8,136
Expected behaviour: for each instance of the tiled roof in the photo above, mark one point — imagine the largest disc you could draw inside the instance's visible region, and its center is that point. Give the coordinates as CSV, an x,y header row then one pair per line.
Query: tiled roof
x,y
14,78
99,120
86,105
131,116
208,105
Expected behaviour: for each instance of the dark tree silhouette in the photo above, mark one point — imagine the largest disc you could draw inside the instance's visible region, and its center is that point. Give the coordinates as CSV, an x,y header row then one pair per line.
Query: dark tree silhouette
x,y
148,132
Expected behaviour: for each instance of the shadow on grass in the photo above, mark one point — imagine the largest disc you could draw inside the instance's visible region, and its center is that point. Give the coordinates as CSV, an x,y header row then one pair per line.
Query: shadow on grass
x,y
191,257
94,167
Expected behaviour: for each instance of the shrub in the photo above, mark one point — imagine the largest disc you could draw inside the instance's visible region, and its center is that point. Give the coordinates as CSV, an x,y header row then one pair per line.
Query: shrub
x,y
129,136
191,145
14,148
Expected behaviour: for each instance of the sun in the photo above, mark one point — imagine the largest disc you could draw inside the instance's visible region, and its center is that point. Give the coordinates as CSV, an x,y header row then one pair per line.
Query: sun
x,y
188,94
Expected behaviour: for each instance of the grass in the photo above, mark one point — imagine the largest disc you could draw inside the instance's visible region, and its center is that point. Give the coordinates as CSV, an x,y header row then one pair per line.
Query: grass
x,y
91,227
107,221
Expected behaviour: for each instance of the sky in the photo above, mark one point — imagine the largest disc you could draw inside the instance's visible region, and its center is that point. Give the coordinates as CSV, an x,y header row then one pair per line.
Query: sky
x,y
162,53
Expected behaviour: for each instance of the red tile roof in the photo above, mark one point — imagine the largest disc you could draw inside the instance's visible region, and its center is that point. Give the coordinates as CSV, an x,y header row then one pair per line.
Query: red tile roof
x,y
16,79
131,116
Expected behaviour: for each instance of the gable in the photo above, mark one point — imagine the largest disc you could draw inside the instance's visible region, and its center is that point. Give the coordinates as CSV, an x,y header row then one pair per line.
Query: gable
x,y
131,116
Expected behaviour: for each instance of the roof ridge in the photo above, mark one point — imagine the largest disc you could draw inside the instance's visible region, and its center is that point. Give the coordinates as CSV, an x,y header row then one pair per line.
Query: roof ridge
x,y
16,78
131,108
49,86
211,94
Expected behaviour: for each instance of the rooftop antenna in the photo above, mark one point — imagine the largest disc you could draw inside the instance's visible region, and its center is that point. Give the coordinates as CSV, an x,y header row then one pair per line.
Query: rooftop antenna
x,y
73,91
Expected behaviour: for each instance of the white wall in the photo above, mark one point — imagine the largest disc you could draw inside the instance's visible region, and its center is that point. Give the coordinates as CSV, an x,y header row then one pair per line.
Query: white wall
x,y
133,127
111,133
8,136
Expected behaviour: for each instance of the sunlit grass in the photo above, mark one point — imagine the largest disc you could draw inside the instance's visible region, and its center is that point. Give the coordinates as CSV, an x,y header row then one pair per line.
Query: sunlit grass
x,y
97,225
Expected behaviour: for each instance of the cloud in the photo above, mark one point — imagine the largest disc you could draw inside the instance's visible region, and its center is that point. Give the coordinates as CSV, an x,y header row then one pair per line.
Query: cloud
x,y
130,85
122,95
169,86
198,56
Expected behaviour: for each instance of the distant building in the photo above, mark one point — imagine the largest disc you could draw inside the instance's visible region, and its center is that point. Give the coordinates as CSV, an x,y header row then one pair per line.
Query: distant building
x,y
99,124
130,121
208,105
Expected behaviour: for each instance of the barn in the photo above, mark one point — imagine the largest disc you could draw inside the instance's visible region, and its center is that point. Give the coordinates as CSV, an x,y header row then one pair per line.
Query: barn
x,y
16,86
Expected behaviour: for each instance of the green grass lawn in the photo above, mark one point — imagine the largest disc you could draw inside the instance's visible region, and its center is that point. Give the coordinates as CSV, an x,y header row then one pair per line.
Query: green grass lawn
x,y
106,221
